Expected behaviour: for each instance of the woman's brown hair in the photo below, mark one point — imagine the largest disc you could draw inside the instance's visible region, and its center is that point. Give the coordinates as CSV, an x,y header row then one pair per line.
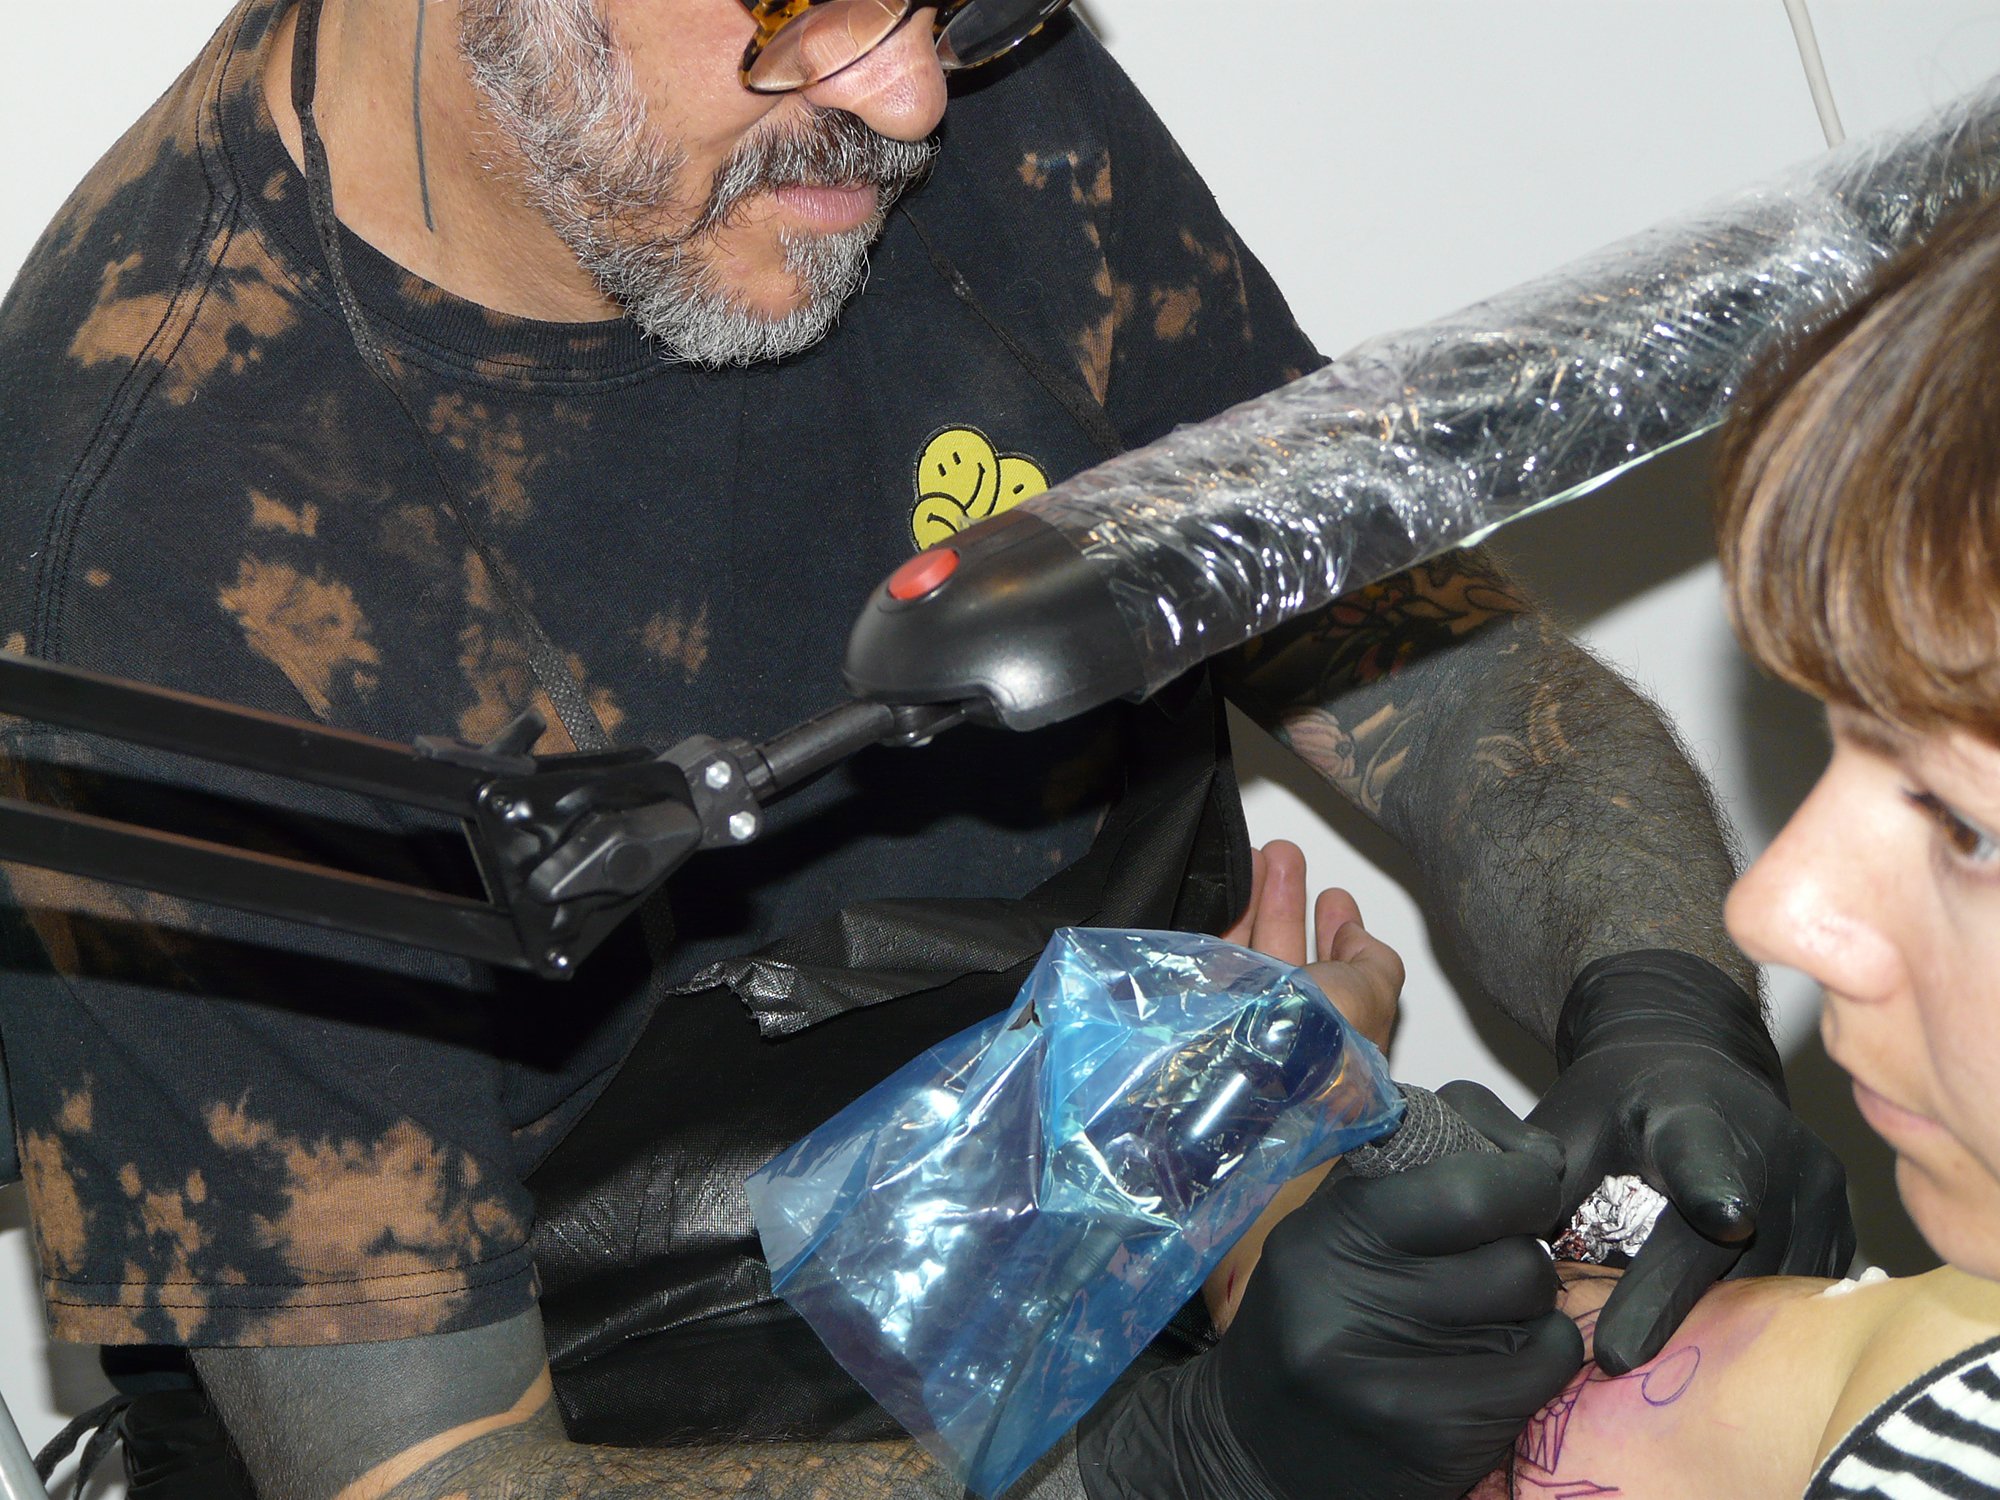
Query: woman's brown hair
x,y
1858,495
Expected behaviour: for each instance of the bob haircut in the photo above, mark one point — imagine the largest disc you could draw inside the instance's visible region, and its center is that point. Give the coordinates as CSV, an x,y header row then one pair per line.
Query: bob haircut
x,y
1858,495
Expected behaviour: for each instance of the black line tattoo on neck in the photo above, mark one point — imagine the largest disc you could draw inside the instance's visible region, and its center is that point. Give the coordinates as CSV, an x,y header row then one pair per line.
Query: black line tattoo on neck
x,y
417,116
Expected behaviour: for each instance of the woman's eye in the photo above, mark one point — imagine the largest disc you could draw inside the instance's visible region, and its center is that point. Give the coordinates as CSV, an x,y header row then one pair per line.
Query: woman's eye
x,y
1969,843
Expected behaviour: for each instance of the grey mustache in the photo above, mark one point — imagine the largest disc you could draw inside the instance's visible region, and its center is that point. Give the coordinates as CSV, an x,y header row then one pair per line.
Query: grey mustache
x,y
833,149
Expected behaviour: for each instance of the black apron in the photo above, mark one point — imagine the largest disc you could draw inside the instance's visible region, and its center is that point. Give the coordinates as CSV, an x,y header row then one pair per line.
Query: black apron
x,y
662,1325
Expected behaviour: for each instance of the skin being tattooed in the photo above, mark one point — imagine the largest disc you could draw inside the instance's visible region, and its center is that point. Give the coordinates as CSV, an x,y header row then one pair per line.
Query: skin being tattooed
x,y
1548,805
1540,1465
1759,1384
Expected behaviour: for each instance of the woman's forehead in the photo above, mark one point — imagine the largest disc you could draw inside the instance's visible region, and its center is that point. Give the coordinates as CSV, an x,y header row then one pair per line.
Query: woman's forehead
x,y
1945,749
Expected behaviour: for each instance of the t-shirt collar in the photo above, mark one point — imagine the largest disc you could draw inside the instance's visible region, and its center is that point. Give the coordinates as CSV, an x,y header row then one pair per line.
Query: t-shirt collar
x,y
412,315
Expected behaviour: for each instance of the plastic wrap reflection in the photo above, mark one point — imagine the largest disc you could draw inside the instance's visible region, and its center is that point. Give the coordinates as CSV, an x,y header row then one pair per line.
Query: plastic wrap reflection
x,y
988,1239
1419,441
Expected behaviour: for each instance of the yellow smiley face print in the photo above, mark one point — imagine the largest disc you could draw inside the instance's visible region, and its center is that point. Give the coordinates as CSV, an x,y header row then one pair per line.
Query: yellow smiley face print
x,y
962,478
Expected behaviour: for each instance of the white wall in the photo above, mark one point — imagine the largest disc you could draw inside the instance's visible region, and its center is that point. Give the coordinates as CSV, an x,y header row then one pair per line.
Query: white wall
x,y
1390,162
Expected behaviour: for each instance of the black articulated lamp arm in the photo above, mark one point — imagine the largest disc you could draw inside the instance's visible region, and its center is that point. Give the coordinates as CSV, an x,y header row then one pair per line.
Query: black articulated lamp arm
x,y
1006,627
1109,585
567,846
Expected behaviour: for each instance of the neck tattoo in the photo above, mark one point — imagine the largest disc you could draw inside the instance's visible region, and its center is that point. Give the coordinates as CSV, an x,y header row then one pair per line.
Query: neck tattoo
x,y
417,116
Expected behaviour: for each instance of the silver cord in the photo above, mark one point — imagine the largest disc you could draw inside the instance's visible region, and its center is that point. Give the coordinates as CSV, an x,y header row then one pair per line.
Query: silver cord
x,y
1815,66
18,1479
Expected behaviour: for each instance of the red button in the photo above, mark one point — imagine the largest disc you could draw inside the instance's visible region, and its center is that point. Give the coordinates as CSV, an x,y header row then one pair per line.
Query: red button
x,y
923,573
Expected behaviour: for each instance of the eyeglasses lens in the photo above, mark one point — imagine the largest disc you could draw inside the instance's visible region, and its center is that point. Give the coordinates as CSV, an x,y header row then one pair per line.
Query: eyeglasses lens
x,y
822,40
980,30
833,34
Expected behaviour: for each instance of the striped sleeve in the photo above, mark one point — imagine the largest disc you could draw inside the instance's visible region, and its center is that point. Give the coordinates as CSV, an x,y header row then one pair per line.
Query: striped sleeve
x,y
1936,1439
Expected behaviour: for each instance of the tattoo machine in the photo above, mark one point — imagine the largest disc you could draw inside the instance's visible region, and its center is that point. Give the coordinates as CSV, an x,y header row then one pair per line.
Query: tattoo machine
x,y
988,1239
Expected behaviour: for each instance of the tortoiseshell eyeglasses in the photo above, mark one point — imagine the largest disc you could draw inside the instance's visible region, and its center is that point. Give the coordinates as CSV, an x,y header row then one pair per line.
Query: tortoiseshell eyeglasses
x,y
803,42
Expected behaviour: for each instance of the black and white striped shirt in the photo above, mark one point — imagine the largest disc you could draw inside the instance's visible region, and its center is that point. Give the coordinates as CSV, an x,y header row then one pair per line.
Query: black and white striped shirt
x,y
1936,1439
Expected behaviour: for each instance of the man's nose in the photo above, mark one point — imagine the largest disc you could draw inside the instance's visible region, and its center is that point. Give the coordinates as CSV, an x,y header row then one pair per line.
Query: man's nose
x,y
897,89
1813,901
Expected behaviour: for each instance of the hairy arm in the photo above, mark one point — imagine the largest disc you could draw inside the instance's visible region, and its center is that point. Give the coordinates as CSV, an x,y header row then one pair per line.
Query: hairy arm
x,y
471,1416
1548,805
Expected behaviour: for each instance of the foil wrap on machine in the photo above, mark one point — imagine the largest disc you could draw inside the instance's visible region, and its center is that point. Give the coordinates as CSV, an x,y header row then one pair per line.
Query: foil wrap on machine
x,y
1420,441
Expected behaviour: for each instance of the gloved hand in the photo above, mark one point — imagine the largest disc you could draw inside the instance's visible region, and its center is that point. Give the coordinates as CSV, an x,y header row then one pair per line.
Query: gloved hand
x,y
1395,1338
1668,1073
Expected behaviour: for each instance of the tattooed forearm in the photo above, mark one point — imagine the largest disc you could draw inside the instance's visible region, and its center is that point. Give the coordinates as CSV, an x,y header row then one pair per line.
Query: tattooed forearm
x,y
472,1415
1549,807
541,1465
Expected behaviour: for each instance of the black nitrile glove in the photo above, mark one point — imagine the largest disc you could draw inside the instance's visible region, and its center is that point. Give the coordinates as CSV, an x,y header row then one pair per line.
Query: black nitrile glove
x,y
1667,1073
1394,1339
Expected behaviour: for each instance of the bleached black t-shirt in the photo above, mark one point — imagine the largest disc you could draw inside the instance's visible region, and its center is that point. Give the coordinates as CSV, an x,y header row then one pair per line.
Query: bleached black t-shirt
x,y
237,1133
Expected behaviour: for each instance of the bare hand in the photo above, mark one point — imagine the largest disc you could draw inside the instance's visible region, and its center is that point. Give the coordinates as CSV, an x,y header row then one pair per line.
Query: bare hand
x,y
1361,974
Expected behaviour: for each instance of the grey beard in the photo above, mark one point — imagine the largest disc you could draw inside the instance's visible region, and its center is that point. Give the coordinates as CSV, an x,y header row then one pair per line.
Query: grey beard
x,y
555,86
677,302
671,292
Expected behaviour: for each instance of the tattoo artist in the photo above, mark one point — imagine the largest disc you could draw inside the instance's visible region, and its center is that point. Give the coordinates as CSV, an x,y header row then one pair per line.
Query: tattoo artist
x,y
426,360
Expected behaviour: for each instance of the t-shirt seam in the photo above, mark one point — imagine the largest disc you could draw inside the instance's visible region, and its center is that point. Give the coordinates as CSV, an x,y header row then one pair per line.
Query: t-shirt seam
x,y
283,254
1112,240
114,426
1086,129
208,133
129,398
209,1302
498,1268
308,280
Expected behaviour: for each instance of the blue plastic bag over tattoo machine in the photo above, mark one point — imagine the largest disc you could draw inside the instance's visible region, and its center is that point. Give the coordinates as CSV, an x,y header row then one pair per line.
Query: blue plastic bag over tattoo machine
x,y
987,1239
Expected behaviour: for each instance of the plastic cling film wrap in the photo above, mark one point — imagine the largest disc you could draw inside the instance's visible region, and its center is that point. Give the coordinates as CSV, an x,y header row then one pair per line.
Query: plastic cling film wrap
x,y
1420,441
987,1239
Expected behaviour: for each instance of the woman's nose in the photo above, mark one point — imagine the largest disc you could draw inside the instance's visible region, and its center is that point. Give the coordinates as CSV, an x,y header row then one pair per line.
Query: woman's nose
x,y
1816,899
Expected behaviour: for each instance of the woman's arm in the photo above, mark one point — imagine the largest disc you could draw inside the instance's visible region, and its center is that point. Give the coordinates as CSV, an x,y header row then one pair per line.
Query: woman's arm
x,y
1733,1406
1759,1384
1738,1404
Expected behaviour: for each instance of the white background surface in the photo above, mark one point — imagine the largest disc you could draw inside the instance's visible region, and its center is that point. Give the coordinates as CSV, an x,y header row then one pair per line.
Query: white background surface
x,y
1390,162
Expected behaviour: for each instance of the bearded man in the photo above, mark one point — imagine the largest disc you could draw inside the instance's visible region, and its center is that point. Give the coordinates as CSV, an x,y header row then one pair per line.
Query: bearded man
x,y
415,362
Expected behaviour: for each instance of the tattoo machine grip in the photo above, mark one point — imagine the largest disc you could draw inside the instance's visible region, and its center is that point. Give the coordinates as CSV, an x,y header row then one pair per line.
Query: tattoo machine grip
x,y
1431,1130
1615,1220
